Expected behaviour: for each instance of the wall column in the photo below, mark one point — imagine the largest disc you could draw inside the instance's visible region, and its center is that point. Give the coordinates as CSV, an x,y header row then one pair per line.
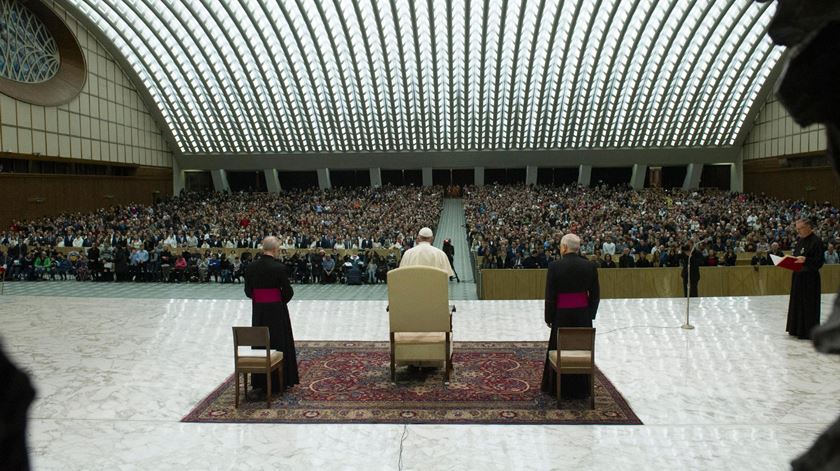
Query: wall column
x,y
324,179
179,178
637,181
584,175
479,176
376,177
220,180
531,175
272,181
427,176
693,173
736,176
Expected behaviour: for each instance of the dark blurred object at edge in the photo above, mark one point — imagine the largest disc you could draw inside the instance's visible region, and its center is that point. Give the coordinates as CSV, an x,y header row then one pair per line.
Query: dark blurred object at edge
x,y
16,394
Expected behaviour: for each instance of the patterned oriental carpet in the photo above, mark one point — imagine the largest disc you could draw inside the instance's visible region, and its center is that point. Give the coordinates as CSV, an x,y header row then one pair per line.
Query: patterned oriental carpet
x,y
349,382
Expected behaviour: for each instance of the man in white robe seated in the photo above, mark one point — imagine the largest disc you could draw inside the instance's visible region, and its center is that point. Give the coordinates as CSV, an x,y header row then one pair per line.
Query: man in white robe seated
x,y
424,254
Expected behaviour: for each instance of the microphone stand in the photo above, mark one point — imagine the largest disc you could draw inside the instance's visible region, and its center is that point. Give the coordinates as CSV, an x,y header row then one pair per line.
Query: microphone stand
x,y
687,325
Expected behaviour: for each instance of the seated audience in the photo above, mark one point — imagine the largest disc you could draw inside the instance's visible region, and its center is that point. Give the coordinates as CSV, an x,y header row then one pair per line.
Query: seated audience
x,y
643,261
760,258
626,260
652,220
729,258
513,226
831,255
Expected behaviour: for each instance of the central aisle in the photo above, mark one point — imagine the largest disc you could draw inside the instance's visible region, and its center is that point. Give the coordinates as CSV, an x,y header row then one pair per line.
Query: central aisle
x,y
451,226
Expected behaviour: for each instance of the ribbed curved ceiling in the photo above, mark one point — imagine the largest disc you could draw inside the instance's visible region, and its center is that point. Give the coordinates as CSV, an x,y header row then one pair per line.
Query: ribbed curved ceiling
x,y
374,75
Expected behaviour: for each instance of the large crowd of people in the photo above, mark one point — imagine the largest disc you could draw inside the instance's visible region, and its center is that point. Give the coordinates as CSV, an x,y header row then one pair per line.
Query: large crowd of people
x,y
213,236
520,226
185,238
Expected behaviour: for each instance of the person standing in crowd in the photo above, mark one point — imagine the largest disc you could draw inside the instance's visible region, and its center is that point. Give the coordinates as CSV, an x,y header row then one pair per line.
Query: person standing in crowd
x,y
268,287
425,254
572,295
831,257
328,269
693,260
805,285
449,250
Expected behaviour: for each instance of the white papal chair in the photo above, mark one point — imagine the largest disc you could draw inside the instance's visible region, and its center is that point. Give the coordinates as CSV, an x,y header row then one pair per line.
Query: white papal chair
x,y
420,318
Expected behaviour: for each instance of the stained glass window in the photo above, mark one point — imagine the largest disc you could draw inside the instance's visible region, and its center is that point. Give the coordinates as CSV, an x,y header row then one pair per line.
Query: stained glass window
x,y
28,52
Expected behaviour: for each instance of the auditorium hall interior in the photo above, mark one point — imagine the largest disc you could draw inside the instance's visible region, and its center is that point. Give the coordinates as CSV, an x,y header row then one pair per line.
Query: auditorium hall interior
x,y
419,234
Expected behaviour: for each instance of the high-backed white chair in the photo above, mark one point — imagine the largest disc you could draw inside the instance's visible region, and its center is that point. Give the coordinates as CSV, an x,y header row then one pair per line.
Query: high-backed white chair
x,y
420,317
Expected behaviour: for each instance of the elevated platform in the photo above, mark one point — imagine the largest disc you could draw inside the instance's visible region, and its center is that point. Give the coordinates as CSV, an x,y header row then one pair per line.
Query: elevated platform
x,y
117,374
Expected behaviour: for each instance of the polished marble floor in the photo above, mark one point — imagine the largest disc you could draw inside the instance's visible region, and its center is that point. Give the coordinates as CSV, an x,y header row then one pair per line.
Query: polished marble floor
x,y
115,376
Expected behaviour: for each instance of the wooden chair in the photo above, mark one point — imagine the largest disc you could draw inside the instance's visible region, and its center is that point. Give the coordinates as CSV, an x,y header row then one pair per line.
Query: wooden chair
x,y
420,317
577,356
264,364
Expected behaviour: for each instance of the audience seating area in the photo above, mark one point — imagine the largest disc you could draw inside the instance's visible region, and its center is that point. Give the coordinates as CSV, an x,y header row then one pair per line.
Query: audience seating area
x,y
355,236
204,265
521,226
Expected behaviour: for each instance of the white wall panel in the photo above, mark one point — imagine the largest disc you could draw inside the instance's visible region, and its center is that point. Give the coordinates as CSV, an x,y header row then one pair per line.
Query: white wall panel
x,y
10,139
24,115
75,147
63,122
63,145
25,140
39,142
52,143
38,117
8,110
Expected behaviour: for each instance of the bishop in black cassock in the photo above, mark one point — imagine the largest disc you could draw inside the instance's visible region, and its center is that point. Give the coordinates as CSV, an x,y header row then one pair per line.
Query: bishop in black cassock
x,y
805,286
267,284
572,295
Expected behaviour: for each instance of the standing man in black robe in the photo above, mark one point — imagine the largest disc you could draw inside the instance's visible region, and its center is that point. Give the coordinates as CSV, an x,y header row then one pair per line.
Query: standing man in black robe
x,y
267,284
449,250
805,286
572,295
693,259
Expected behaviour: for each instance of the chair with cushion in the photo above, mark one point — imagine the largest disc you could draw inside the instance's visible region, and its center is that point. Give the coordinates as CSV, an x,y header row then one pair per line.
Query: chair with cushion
x,y
261,364
420,318
577,356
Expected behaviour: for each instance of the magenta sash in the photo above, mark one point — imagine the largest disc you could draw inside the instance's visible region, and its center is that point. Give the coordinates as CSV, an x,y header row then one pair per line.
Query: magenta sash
x,y
266,295
572,300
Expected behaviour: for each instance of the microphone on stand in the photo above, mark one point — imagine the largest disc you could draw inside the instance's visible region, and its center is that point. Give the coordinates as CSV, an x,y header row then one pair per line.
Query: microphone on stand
x,y
687,325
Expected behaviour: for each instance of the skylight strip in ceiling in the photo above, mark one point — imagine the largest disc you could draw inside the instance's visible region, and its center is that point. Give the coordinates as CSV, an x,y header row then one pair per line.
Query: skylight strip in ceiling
x,y
398,75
